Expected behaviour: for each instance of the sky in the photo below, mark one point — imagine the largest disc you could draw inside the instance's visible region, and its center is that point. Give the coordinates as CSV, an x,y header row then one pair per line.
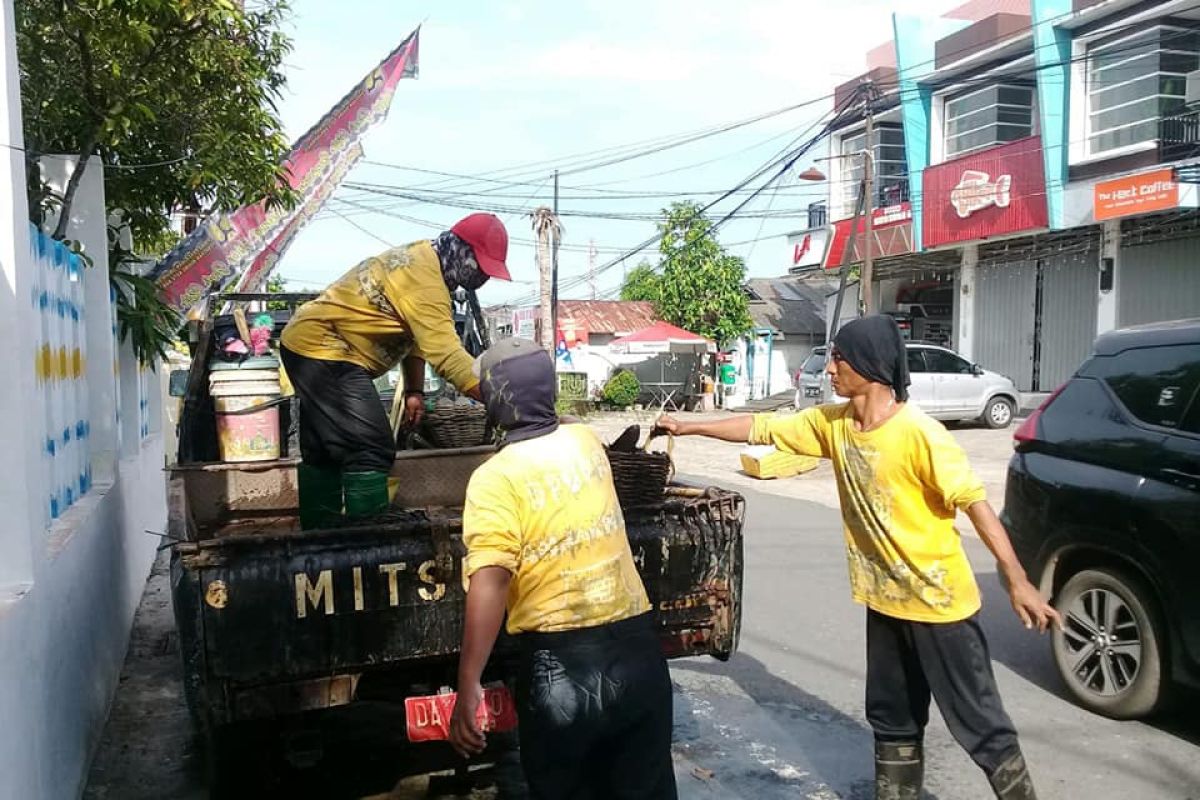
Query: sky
x,y
509,90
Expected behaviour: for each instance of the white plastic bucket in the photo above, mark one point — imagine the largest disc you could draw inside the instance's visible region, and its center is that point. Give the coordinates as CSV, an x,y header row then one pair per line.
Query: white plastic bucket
x,y
245,437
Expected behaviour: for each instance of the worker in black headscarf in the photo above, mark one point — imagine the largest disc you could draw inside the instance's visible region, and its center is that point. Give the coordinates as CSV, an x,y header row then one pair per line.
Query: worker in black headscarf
x,y
548,556
902,478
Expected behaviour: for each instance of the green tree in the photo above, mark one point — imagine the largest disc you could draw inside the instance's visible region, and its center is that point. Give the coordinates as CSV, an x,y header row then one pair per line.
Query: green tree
x,y
276,285
642,283
701,287
177,99
188,86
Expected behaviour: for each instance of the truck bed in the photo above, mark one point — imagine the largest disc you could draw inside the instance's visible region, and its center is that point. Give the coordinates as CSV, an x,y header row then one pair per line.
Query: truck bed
x,y
273,619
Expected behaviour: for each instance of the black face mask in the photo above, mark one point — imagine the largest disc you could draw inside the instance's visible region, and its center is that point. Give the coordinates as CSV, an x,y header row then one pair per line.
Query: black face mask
x,y
459,267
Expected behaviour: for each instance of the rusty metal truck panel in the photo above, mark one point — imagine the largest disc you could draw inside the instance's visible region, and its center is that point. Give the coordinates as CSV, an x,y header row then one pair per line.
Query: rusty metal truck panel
x,y
278,607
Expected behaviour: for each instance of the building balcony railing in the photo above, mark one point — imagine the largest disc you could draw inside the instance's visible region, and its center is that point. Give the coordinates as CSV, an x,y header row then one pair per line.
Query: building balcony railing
x,y
892,192
1179,137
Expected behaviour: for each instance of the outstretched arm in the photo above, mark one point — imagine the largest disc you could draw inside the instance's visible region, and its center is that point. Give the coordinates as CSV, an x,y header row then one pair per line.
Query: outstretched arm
x,y
1026,600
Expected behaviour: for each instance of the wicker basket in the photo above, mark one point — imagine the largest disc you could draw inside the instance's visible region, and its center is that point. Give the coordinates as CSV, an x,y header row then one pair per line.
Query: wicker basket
x,y
457,426
640,477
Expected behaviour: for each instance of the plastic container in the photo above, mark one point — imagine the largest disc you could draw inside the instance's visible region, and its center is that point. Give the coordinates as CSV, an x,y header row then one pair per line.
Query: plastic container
x,y
250,436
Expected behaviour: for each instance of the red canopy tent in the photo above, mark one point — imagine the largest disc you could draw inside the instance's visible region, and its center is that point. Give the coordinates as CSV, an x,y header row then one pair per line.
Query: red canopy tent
x,y
663,337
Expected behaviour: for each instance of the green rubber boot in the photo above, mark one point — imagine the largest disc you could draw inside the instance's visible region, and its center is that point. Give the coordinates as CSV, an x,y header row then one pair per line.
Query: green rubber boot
x,y
366,494
320,497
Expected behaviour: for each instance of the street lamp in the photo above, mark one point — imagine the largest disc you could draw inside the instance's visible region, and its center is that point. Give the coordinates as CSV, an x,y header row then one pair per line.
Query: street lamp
x,y
811,174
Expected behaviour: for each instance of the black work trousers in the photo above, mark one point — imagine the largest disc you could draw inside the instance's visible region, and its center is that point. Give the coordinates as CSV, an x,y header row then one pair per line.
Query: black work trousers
x,y
343,424
595,713
909,661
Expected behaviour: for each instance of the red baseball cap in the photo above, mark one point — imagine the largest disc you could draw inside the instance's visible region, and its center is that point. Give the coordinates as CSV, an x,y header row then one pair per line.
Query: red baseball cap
x,y
488,238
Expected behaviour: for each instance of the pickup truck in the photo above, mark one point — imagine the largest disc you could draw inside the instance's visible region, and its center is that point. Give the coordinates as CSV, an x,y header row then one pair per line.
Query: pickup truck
x,y
283,630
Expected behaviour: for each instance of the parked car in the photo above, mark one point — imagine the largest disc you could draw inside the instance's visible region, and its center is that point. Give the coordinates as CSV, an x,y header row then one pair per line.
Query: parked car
x,y
944,384
1103,506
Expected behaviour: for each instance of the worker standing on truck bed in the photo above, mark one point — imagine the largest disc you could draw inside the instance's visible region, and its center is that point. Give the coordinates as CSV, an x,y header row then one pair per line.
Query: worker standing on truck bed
x,y
902,478
390,307
546,540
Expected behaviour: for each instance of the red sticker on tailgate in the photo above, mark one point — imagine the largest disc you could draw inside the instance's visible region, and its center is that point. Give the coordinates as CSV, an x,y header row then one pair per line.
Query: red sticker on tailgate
x,y
428,718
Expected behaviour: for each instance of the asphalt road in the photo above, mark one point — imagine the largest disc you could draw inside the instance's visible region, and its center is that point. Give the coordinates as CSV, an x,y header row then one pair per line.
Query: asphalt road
x,y
784,718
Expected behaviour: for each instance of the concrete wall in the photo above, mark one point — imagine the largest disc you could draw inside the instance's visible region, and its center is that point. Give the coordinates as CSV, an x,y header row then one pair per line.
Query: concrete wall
x,y
63,642
68,589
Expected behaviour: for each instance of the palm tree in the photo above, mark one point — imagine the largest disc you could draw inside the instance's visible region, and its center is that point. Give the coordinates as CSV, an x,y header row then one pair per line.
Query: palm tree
x,y
547,230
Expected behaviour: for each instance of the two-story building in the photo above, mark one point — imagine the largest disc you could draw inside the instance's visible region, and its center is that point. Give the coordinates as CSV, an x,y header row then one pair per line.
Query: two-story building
x,y
1032,159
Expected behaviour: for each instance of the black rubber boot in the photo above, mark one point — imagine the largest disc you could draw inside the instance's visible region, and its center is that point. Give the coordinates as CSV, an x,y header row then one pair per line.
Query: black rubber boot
x,y
1011,781
320,497
899,770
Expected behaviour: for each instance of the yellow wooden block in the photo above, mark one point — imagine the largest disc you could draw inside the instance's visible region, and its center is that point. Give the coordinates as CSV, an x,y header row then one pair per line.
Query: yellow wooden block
x,y
765,462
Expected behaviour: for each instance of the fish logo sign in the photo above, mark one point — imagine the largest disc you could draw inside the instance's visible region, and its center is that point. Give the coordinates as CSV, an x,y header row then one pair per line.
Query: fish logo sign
x,y
976,191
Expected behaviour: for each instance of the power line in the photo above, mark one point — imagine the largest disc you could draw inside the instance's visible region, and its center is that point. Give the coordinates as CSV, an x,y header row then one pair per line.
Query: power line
x,y
588,160
784,163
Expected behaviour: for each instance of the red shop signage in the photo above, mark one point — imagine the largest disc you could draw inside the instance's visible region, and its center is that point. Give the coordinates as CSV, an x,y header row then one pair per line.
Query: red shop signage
x,y
993,192
891,235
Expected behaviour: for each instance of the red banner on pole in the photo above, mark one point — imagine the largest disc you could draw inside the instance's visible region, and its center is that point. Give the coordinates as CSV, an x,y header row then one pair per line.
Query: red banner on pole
x,y
228,245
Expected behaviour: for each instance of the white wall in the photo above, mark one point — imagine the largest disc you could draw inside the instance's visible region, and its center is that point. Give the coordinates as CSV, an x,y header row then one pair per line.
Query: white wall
x,y
68,591
16,552
599,362
62,644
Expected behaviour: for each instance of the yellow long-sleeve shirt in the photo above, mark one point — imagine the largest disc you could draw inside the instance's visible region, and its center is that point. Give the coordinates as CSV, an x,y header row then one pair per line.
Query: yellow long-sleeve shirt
x,y
545,510
900,486
388,306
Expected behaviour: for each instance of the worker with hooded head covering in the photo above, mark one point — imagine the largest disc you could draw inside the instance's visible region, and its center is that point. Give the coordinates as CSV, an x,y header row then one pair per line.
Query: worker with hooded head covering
x,y
902,479
392,306
548,556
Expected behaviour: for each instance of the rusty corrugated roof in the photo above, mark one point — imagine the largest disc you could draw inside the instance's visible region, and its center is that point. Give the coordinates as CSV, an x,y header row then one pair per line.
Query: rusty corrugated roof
x,y
618,317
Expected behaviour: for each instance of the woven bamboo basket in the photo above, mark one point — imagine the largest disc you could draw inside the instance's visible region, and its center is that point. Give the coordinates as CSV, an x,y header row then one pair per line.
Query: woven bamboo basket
x,y
640,476
457,426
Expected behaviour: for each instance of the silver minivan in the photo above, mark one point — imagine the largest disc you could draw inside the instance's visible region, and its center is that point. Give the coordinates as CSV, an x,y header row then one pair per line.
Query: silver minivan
x,y
944,384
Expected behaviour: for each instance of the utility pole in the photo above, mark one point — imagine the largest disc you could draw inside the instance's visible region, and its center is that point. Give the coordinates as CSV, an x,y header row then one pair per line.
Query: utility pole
x,y
555,233
866,279
543,222
591,272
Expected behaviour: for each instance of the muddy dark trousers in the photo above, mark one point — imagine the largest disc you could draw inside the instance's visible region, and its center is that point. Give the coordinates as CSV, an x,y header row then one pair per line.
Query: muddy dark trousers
x,y
346,442
595,713
907,662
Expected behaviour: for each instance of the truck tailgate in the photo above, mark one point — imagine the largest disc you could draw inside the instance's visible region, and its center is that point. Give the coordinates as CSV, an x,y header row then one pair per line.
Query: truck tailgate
x,y
263,609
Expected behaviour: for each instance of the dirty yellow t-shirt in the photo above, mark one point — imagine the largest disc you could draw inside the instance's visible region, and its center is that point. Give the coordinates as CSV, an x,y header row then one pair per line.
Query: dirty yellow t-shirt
x,y
545,509
386,307
900,487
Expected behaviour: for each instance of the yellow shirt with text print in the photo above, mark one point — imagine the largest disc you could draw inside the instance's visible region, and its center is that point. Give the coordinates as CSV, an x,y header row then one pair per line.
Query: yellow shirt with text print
x,y
900,485
388,306
545,510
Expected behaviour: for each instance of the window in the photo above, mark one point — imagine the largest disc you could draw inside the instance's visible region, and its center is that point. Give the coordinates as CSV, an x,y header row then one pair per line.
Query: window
x,y
1135,80
891,167
916,361
985,117
1155,384
941,361
817,215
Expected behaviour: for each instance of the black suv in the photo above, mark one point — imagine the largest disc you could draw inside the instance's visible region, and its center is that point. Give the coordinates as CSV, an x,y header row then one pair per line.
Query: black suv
x,y
1103,506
